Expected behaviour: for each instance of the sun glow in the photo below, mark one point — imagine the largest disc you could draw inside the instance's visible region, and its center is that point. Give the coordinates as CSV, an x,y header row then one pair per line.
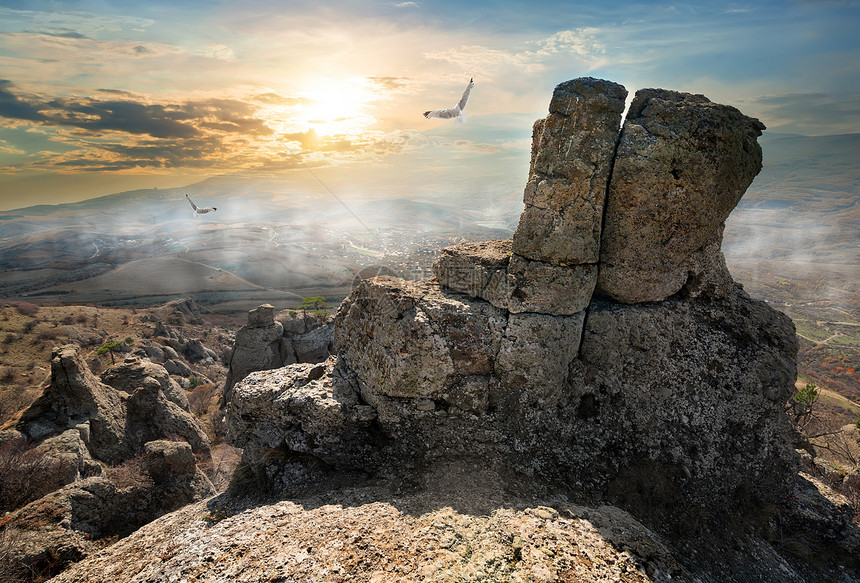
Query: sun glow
x,y
339,107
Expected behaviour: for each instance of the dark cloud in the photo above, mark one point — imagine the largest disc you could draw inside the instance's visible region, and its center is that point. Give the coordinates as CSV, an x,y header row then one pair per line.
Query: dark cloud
x,y
115,91
133,116
67,34
14,107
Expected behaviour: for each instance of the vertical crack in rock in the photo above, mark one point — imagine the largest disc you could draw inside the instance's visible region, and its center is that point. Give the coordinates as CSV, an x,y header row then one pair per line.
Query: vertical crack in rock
x,y
609,180
681,165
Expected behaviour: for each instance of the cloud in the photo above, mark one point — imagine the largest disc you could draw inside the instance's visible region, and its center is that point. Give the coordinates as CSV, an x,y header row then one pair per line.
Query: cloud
x,y
584,43
160,120
392,84
476,147
5,148
811,113
122,131
406,5
13,106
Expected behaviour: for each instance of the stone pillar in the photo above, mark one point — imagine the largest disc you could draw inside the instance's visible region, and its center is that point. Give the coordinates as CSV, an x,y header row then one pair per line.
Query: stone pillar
x,y
682,165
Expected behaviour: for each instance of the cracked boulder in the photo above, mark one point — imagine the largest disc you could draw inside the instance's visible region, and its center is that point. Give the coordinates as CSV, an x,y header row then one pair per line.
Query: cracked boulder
x,y
683,163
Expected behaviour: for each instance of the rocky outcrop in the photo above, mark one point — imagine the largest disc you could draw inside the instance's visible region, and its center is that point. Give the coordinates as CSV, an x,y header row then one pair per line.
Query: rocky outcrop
x,y
67,525
267,342
362,535
134,373
553,367
257,346
307,335
118,420
93,433
76,397
682,165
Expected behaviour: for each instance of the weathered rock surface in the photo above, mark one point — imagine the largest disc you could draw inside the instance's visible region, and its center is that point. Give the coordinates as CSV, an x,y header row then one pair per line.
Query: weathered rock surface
x,y
268,342
86,429
408,340
76,396
459,528
549,289
479,270
304,408
682,165
118,423
257,346
134,373
572,151
65,526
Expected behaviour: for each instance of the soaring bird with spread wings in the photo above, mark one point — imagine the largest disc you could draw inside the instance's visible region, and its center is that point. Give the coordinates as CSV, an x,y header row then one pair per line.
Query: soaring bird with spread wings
x,y
197,210
456,112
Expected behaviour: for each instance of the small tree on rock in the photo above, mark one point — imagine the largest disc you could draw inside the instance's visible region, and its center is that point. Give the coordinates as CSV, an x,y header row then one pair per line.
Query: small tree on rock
x,y
108,347
316,303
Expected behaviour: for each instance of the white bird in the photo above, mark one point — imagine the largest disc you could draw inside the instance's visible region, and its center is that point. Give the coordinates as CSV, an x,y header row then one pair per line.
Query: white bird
x,y
456,112
199,211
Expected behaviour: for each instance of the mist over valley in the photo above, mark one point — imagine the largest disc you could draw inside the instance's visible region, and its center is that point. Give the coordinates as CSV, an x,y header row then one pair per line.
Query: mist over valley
x,y
792,240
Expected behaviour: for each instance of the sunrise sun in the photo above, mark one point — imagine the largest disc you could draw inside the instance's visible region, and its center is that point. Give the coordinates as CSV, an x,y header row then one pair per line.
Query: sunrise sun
x,y
337,107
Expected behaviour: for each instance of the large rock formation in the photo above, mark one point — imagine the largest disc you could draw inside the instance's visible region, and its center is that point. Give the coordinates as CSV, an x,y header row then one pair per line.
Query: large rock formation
x,y
682,165
269,342
557,243
565,364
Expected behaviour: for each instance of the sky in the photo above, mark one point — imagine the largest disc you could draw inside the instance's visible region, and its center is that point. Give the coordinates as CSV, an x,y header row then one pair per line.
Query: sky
x,y
100,96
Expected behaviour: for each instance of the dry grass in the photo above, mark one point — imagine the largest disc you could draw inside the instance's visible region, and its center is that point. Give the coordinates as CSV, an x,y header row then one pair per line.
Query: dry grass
x,y
25,474
129,474
12,569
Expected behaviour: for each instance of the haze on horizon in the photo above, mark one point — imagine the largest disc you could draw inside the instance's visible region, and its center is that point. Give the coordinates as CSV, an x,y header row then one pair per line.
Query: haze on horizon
x,y
98,98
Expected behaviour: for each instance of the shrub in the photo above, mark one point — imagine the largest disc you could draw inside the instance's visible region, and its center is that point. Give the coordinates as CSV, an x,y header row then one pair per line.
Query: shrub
x,y
130,474
44,335
12,568
221,466
14,398
317,303
7,375
81,318
129,340
203,397
26,308
26,474
29,326
10,338
801,404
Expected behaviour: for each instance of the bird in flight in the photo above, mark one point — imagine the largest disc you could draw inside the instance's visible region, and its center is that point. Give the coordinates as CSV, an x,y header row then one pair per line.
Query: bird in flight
x,y
197,210
456,112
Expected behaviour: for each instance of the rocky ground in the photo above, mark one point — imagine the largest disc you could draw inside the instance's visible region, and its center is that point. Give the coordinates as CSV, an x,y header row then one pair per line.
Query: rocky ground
x,y
460,528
